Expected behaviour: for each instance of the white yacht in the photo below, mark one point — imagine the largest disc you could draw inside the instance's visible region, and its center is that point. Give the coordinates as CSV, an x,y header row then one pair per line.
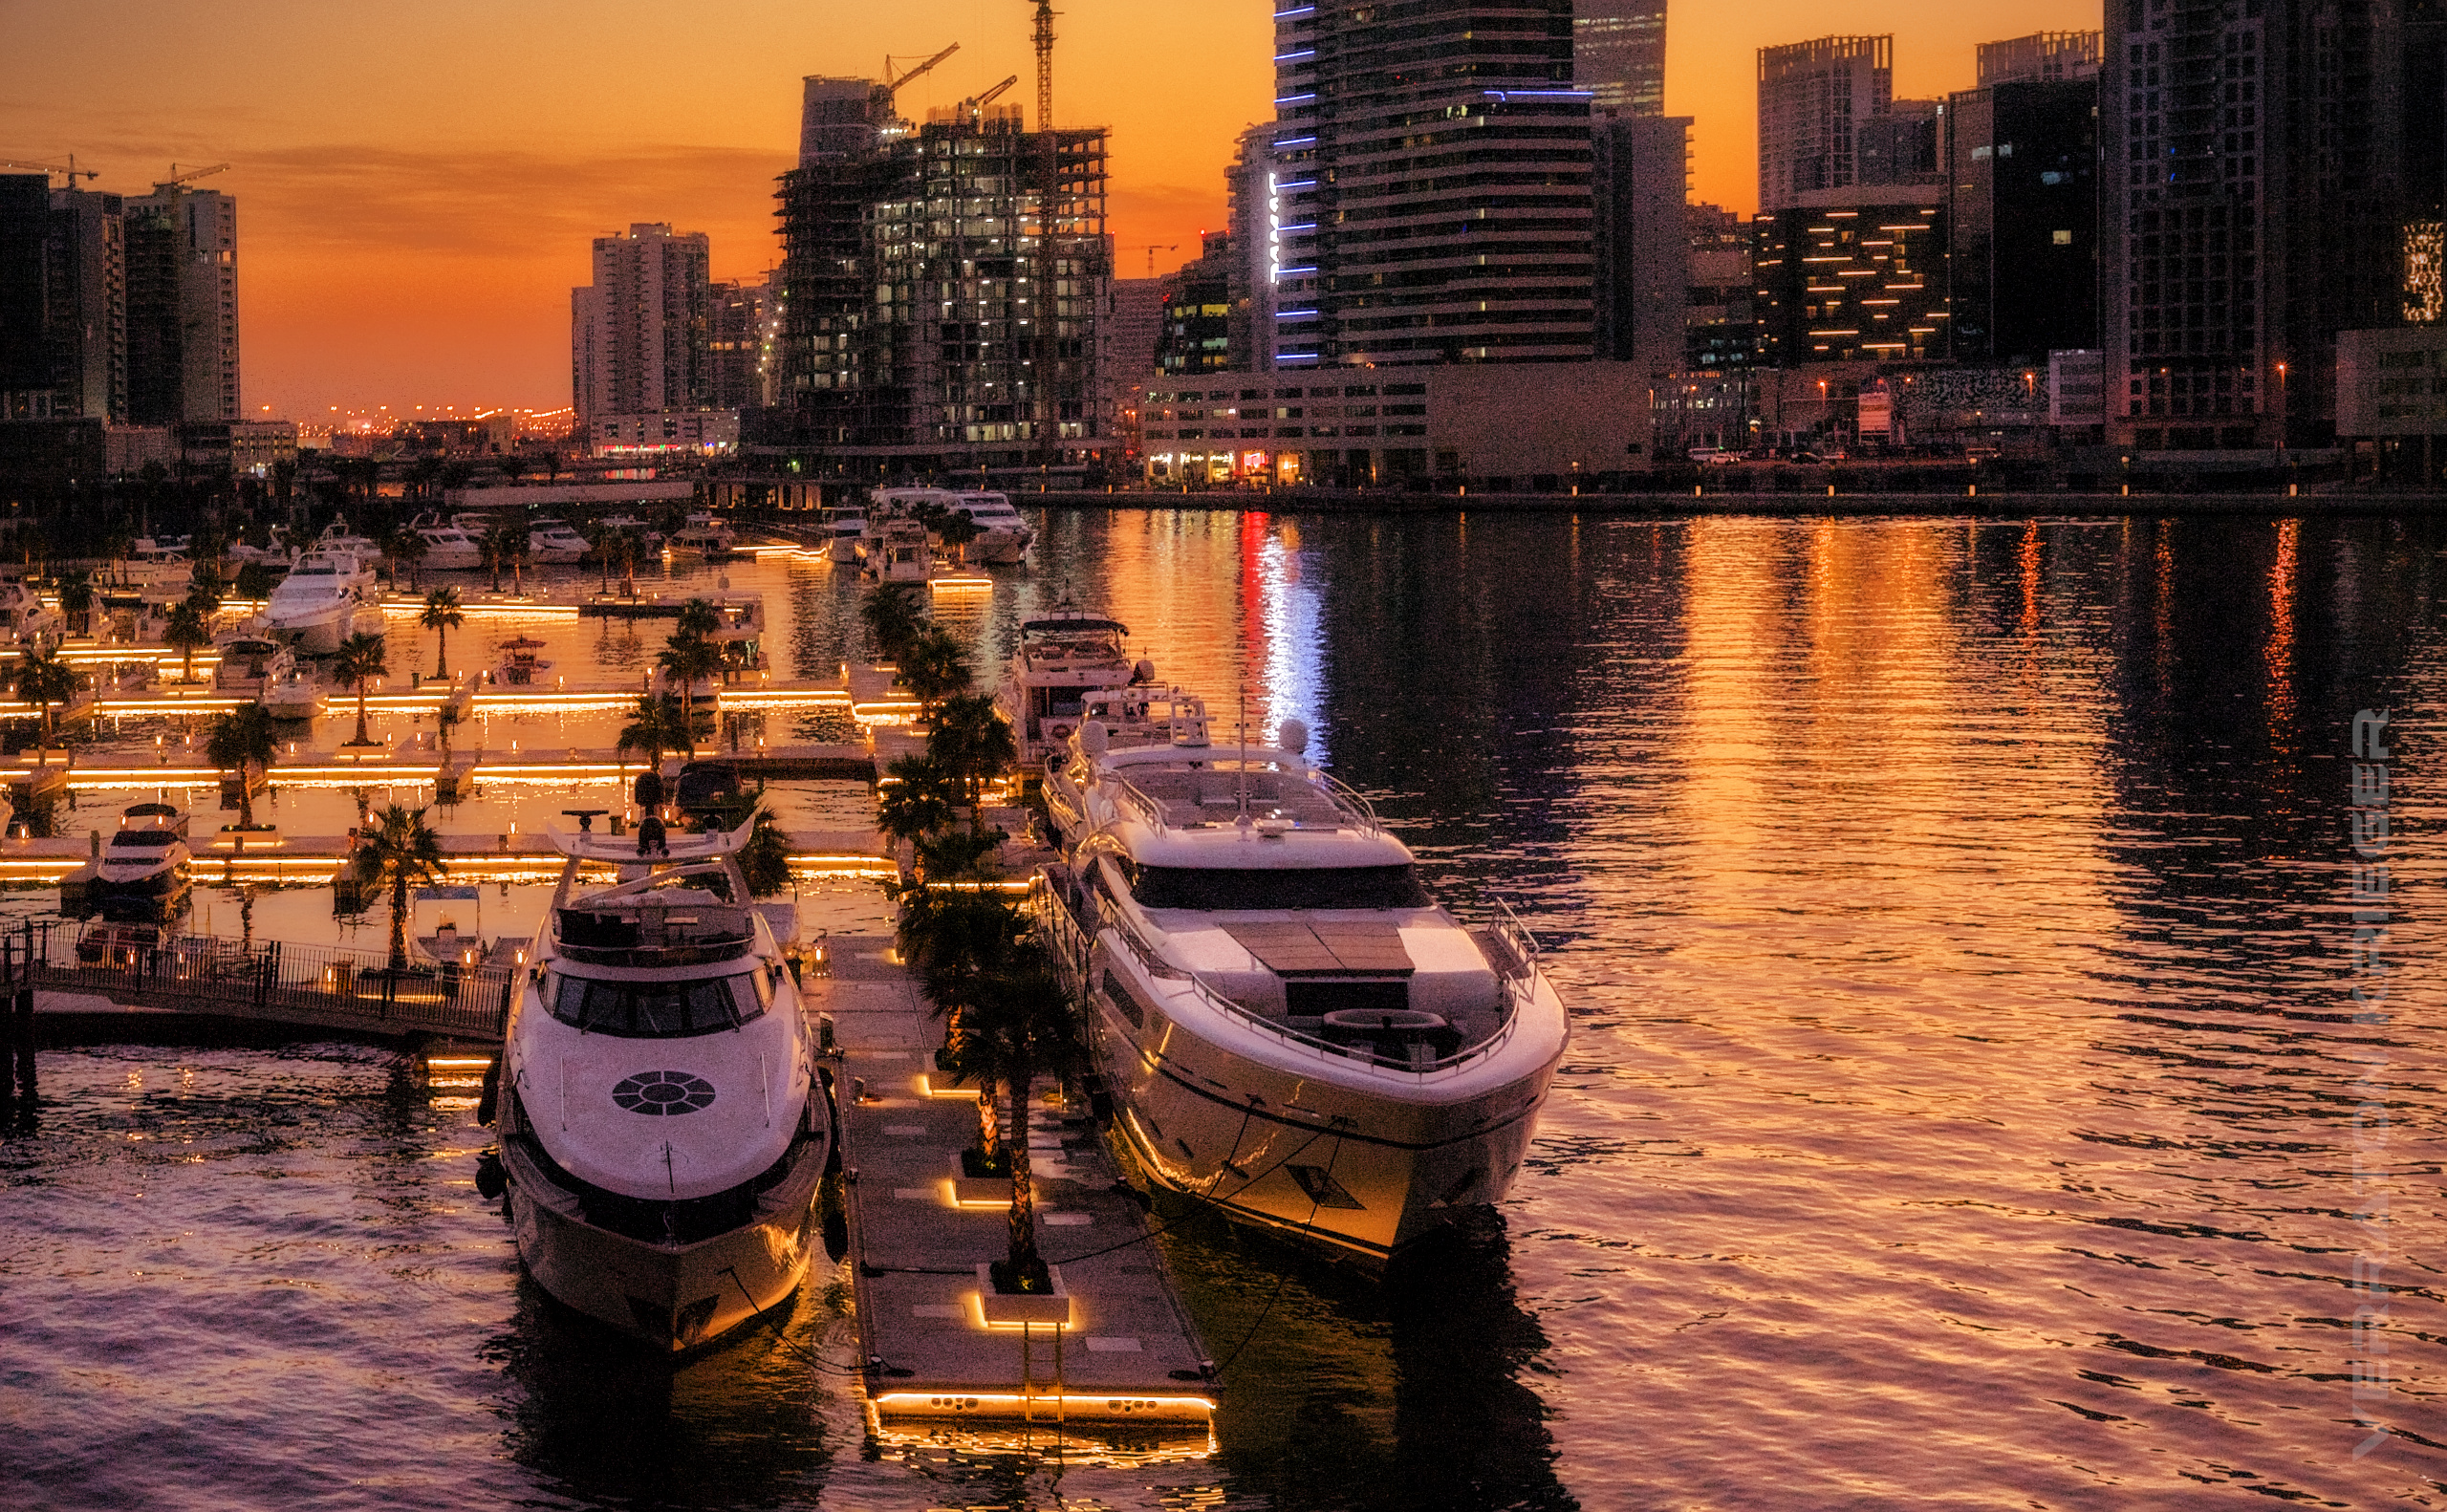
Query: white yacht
x,y
1290,1028
843,525
704,536
337,537
897,553
148,857
296,694
449,549
251,663
635,527
1060,660
24,617
1003,535
327,597
554,541
663,1129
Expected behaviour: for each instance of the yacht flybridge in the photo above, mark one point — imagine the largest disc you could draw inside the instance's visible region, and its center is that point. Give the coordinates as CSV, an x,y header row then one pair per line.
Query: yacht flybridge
x,y
663,1129
1061,660
1291,1027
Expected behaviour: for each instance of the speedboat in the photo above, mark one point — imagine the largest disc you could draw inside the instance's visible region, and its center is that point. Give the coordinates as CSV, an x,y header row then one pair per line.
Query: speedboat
x,y
251,663
449,549
1060,660
843,525
1290,1028
24,616
1002,536
554,541
704,536
518,666
294,694
663,1128
148,857
327,597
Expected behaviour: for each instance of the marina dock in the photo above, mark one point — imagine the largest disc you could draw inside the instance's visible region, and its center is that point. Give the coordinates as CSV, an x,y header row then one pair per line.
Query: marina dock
x,y
1113,1358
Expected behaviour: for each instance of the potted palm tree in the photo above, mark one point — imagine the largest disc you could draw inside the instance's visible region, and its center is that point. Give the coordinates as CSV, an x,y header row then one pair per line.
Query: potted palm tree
x,y
188,634
687,661
401,853
242,743
972,743
655,725
76,599
442,616
361,659
42,679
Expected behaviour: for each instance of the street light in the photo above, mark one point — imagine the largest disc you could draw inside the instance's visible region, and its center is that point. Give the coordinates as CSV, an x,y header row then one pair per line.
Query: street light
x,y
2281,409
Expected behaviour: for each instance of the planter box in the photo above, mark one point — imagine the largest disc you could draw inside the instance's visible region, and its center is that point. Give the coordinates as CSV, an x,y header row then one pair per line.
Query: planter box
x,y
982,1191
1036,1309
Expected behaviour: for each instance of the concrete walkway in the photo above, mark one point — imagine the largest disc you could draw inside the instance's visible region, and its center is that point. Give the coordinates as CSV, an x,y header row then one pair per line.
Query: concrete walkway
x,y
1129,1354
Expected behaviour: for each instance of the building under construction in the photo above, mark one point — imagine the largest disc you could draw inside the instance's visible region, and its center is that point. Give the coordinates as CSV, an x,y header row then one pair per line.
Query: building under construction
x,y
934,319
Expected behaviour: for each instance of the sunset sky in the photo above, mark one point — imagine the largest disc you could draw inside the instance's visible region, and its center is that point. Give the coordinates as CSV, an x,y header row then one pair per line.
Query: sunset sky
x,y
418,188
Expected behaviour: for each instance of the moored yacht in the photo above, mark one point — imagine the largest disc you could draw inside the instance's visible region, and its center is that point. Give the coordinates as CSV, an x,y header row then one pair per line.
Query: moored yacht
x,y
554,541
663,1129
1291,1027
251,663
843,525
704,536
1002,534
448,549
24,616
1060,660
327,597
147,857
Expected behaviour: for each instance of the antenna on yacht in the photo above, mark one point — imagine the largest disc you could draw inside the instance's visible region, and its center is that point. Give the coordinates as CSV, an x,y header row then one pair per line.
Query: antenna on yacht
x,y
1244,758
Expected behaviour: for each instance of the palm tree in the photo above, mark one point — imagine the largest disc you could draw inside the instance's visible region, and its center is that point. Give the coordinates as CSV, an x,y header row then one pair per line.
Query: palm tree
x,y
1015,1024
78,597
186,634
254,581
409,547
892,618
496,544
361,659
512,465
403,852
515,551
656,725
957,530
972,743
42,679
238,740
698,619
442,616
685,661
932,667
917,798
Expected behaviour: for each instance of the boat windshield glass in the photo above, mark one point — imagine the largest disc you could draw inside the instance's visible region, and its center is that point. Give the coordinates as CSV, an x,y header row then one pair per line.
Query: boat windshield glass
x,y
143,838
647,1010
1218,890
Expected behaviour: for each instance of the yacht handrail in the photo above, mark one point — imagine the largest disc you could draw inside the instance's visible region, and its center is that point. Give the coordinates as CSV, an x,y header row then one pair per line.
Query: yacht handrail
x,y
1337,791
1349,797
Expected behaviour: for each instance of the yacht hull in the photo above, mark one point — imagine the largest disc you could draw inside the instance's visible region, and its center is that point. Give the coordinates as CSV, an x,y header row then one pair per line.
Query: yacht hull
x,y
672,1297
1361,1161
321,634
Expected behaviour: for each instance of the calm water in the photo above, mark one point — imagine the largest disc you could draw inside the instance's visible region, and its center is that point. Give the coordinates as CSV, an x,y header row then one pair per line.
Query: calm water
x,y
1967,1107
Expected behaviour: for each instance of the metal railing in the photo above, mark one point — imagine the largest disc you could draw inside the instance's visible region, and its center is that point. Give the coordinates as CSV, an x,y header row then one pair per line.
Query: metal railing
x,y
273,981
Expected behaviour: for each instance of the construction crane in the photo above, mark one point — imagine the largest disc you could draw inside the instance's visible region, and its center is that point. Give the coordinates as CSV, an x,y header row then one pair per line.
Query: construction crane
x,y
178,180
72,171
1044,65
1153,248
891,84
970,108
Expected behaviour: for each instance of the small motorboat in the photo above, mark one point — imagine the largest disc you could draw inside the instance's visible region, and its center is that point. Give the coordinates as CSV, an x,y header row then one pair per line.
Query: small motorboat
x,y
843,525
148,857
900,553
449,549
296,694
251,664
520,666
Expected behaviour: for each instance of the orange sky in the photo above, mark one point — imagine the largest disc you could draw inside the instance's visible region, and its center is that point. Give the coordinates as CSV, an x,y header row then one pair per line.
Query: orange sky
x,y
418,187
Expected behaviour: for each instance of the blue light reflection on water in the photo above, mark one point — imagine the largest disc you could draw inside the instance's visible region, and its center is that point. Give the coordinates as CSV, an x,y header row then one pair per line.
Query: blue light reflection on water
x,y
1960,1111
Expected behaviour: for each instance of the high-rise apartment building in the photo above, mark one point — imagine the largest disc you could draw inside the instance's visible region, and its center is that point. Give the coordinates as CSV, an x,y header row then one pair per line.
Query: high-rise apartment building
x,y
1252,225
1195,336
27,375
738,344
1619,55
2022,183
182,259
1641,183
2252,211
1813,98
936,315
85,273
1432,184
1859,282
638,333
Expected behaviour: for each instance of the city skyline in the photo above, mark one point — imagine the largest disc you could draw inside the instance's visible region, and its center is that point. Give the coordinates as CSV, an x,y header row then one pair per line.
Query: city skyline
x,y
420,203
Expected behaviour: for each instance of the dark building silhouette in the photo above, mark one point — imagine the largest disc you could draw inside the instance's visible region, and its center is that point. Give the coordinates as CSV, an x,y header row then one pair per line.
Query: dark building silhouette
x,y
2023,190
1640,179
1195,336
1619,55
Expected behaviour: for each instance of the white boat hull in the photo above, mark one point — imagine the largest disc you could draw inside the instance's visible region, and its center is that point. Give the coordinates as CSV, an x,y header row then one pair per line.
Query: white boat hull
x,y
671,1296
320,633
1360,1160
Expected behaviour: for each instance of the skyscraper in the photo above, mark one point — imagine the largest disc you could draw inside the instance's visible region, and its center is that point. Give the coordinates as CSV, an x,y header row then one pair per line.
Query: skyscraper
x,y
1813,98
1432,181
2023,153
1642,178
1619,55
182,248
638,334
2252,211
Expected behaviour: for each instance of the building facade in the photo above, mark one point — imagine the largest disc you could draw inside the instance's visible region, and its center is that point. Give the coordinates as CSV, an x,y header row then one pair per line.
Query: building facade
x,y
1720,332
1432,168
182,259
936,317
1813,98
1198,326
2252,212
1642,176
639,332
1860,281
739,345
1619,55
2023,191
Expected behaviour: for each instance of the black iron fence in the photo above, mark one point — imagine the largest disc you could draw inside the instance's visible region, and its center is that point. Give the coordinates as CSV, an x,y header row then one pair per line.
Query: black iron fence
x,y
139,965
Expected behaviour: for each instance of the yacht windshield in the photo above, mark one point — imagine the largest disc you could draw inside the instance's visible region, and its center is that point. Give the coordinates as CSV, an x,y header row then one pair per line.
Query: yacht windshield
x,y
1261,891
660,1009
146,837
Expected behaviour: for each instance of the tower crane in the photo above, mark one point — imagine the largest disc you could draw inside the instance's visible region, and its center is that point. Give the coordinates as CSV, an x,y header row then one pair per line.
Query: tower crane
x,y
72,171
1044,65
970,107
891,83
178,180
1153,248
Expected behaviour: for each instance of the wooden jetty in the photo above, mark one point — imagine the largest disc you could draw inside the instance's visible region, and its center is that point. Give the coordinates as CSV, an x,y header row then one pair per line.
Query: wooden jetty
x,y
1112,1358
